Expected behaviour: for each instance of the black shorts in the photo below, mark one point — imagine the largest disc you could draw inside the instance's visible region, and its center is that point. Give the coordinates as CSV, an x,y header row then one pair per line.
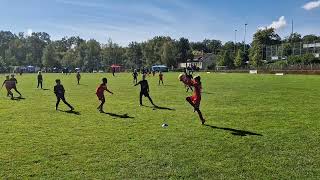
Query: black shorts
x,y
145,94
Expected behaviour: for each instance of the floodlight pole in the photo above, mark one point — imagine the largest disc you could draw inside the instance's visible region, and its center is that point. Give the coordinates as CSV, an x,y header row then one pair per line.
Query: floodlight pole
x,y
235,40
244,41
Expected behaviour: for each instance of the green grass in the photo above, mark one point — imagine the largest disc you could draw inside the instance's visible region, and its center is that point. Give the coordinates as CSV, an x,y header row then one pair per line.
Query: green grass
x,y
37,141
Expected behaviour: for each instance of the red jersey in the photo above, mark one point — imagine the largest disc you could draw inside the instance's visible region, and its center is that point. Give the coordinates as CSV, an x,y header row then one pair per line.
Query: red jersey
x,y
101,89
161,76
196,96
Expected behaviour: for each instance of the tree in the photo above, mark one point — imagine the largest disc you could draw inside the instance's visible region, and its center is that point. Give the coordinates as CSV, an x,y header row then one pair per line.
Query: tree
x,y
49,58
168,54
262,37
293,38
92,57
255,55
225,59
240,59
183,49
310,38
134,55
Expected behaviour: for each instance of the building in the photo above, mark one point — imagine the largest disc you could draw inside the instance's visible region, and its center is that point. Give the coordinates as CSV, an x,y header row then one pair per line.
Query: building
x,y
202,62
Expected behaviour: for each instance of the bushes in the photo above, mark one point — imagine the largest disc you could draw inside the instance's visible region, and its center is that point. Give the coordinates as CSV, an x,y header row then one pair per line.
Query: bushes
x,y
304,59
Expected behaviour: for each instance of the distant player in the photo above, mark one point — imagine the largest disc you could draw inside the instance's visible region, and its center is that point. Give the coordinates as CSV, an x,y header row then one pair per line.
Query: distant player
x,y
113,71
8,85
14,84
144,90
161,78
135,76
195,99
189,77
59,91
78,77
100,93
40,79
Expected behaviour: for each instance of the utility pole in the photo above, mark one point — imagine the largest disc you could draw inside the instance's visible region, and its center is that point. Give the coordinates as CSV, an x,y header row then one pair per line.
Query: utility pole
x,y
235,40
244,41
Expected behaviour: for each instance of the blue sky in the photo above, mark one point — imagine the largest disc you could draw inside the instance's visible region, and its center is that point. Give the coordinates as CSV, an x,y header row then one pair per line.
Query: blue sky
x,y
138,20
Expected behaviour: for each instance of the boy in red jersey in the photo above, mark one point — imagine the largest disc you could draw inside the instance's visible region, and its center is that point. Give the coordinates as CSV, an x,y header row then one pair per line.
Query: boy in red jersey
x,y
195,99
100,93
161,78
9,85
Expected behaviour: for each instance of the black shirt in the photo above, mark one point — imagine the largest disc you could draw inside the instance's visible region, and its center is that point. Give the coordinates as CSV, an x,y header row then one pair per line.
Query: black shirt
x,y
40,77
59,90
144,85
135,74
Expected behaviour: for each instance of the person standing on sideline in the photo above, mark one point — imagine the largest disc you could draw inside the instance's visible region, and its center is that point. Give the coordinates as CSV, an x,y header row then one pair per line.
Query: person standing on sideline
x,y
78,77
113,71
40,79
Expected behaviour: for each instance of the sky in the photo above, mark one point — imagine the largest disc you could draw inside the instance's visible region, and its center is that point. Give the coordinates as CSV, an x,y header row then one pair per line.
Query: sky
x,y
125,21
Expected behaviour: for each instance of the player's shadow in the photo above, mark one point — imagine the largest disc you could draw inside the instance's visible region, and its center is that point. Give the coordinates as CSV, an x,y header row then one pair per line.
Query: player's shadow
x,y
71,112
207,93
45,89
235,132
18,98
160,108
83,85
123,116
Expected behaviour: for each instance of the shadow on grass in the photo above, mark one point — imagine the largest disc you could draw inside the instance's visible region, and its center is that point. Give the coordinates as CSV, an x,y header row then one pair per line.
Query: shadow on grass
x,y
71,112
82,85
123,116
207,93
45,89
18,98
235,132
159,107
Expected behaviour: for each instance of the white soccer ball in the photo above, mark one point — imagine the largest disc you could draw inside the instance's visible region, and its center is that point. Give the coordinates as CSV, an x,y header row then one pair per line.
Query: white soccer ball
x,y
165,125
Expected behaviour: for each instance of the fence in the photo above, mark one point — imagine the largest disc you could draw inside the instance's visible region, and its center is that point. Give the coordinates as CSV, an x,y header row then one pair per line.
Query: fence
x,y
282,51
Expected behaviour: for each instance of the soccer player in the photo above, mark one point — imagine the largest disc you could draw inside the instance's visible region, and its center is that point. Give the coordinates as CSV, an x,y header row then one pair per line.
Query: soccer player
x,y
14,84
161,78
40,79
78,77
195,99
59,91
135,76
113,71
9,85
144,89
100,93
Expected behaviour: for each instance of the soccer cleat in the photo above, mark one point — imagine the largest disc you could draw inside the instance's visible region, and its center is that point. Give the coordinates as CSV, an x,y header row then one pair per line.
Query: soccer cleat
x,y
203,121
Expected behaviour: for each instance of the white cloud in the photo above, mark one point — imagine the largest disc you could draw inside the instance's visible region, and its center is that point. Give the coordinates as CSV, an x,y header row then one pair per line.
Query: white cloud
x,y
279,24
311,5
29,32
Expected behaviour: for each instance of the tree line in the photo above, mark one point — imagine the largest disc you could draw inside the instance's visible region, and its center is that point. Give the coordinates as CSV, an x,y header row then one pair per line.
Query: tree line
x,y
38,49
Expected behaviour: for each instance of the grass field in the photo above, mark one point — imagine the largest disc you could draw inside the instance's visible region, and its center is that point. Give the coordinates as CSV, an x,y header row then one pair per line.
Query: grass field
x,y
258,127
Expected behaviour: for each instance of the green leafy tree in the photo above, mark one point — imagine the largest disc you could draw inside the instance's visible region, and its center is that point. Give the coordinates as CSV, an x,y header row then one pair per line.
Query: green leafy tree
x,y
240,59
168,54
225,59
50,58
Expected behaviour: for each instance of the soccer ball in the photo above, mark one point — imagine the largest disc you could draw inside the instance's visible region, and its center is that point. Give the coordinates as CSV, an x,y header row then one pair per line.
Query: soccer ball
x,y
165,125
